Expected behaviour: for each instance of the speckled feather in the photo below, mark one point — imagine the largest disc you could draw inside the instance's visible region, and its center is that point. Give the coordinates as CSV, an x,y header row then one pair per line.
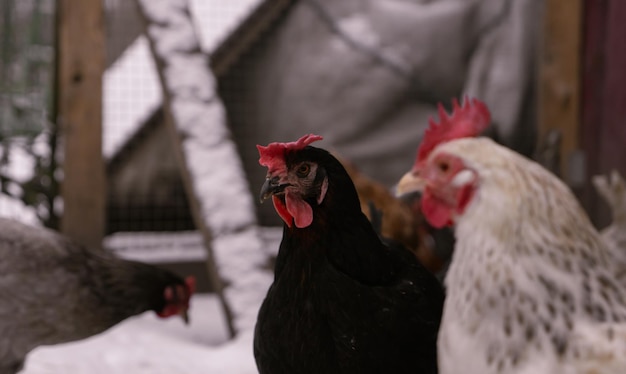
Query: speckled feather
x,y
532,287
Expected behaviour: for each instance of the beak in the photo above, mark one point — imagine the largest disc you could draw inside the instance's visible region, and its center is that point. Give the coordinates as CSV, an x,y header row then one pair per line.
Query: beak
x,y
411,182
271,187
185,316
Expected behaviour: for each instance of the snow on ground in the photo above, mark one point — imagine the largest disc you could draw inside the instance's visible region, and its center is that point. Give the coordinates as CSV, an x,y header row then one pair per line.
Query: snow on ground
x,y
147,344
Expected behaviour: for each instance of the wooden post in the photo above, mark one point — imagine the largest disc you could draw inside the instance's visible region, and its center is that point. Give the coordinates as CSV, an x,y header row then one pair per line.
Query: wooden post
x,y
81,43
560,82
603,132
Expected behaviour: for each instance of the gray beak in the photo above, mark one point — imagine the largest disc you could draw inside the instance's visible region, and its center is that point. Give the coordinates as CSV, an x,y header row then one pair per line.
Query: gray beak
x,y
271,187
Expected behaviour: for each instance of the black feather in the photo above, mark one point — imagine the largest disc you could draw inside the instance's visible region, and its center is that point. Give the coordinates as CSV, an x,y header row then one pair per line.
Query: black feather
x,y
342,300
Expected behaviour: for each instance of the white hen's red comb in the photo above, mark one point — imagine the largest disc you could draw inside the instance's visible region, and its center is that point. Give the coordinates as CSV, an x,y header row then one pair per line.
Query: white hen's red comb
x,y
273,155
466,121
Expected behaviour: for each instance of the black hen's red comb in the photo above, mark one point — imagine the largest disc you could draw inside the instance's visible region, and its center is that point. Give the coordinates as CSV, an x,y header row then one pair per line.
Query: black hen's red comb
x,y
273,155
466,121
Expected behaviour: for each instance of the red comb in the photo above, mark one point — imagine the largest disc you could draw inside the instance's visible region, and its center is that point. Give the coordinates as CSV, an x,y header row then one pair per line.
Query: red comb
x,y
190,281
466,121
273,156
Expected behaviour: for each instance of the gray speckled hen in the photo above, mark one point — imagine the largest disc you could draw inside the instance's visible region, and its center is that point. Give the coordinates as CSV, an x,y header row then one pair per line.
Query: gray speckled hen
x,y
55,291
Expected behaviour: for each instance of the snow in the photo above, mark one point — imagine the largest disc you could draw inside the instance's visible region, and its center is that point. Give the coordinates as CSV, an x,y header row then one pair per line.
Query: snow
x,y
212,159
16,209
167,247
20,168
147,344
131,93
21,164
131,85
185,74
158,247
359,28
215,19
238,264
224,209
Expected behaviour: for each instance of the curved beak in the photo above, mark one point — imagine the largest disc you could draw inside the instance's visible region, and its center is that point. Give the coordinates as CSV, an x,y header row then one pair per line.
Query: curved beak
x,y
411,182
271,187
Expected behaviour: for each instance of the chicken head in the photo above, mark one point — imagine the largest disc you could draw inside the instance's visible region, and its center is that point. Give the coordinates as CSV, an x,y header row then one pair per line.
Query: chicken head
x,y
177,298
292,184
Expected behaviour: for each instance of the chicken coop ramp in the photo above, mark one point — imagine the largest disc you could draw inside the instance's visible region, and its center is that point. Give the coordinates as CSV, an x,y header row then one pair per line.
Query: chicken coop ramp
x,y
215,182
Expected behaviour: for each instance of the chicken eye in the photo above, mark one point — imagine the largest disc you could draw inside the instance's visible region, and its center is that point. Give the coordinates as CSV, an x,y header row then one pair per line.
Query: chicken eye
x,y
303,170
443,166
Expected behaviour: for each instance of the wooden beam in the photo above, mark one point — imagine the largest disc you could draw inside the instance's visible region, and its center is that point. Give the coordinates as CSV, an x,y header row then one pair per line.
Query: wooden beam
x,y
171,17
603,133
560,81
613,152
80,68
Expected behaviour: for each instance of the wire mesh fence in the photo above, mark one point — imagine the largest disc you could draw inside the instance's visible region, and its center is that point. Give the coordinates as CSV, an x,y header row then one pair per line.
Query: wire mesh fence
x,y
28,171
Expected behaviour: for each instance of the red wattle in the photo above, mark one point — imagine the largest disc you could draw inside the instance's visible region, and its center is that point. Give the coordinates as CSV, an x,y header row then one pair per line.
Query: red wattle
x,y
299,209
282,211
435,211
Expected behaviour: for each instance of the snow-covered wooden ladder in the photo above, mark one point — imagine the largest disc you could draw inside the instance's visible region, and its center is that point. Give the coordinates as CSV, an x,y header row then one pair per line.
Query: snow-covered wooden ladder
x,y
222,205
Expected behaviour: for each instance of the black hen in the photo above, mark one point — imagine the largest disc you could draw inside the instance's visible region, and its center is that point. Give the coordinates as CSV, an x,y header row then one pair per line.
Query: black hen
x,y
341,301
56,291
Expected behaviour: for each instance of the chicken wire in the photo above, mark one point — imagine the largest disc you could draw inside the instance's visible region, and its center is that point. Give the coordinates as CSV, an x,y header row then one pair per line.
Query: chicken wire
x,y
28,173
146,192
339,68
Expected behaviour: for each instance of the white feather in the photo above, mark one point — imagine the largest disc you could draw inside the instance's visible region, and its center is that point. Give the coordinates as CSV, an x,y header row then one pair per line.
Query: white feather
x,y
462,178
531,282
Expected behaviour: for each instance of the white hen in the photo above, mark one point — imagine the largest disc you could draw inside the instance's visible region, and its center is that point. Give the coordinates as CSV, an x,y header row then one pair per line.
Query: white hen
x,y
532,287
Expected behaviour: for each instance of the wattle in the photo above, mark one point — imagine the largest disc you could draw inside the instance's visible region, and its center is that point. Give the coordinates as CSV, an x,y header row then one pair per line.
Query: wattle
x,y
300,210
435,210
282,211
294,210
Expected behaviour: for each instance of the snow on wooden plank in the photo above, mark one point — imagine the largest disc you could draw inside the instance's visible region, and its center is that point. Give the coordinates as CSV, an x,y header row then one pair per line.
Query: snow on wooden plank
x,y
131,85
221,199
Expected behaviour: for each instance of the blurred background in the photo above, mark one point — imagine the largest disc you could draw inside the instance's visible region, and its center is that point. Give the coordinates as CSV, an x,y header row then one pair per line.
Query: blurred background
x,y
94,143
